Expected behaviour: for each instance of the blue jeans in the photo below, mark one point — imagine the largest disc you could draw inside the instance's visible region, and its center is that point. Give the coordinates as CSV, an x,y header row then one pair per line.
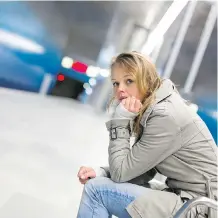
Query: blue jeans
x,y
103,198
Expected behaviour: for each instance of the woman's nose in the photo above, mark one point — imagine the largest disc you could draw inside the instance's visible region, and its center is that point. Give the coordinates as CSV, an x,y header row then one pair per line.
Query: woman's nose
x,y
121,87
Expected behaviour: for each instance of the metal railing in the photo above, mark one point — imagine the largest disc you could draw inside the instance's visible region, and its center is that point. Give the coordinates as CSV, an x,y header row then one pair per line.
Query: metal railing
x,y
182,212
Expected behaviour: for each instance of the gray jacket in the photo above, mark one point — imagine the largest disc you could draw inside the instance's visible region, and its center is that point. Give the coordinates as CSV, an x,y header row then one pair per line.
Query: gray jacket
x,y
174,141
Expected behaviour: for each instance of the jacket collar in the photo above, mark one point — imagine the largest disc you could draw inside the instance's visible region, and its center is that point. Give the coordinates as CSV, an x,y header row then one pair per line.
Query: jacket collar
x,y
165,90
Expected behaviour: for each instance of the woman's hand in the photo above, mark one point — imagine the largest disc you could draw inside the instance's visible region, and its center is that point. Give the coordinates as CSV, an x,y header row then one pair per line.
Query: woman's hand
x,y
132,104
128,108
85,173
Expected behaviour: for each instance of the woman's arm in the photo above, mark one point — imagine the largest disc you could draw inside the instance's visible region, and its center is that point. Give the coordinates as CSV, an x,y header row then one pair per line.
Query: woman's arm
x,y
161,138
140,180
102,171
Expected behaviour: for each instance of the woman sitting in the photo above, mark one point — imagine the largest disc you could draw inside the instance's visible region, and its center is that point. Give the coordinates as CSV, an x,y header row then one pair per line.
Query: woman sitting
x,y
170,139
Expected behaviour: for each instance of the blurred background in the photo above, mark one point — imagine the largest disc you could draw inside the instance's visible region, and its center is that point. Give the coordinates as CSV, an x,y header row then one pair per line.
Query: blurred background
x,y
54,86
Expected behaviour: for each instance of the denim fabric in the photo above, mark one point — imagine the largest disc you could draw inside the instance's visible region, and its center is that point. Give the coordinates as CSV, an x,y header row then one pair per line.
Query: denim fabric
x,y
103,198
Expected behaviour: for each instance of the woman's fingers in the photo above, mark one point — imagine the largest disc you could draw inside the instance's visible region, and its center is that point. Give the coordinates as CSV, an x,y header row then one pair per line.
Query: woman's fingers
x,y
86,173
83,181
90,174
82,170
127,103
124,101
132,104
138,105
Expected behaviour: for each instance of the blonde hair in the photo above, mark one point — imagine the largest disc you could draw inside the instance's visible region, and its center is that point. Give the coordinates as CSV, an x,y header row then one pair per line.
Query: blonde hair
x,y
146,76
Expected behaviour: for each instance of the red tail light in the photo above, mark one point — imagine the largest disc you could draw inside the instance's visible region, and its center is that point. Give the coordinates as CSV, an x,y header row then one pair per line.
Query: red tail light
x,y
80,67
60,77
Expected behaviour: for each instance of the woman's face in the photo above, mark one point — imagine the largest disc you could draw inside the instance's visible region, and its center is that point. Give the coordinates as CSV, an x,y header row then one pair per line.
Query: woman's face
x,y
124,85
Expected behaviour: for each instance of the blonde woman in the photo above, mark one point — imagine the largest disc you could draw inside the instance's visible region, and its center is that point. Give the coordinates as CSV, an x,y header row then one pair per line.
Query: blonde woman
x,y
170,138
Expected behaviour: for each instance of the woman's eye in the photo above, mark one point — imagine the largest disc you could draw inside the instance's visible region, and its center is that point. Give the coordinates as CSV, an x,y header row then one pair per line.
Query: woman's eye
x,y
115,84
129,81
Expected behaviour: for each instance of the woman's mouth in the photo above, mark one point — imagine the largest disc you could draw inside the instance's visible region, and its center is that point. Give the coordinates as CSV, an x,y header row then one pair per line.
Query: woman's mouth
x,y
121,98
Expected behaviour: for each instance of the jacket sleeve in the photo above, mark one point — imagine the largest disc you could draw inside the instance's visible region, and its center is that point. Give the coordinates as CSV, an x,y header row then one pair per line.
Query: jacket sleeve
x,y
160,138
140,180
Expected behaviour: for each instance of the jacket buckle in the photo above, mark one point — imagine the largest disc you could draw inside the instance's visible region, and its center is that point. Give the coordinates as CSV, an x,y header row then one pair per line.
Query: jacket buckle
x,y
113,134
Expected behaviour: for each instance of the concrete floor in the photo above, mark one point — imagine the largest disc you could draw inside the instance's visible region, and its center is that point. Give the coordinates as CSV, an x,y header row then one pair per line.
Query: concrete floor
x,y
43,142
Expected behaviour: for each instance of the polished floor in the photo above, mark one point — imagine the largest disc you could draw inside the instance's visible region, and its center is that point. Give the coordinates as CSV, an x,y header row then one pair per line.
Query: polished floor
x,y
43,142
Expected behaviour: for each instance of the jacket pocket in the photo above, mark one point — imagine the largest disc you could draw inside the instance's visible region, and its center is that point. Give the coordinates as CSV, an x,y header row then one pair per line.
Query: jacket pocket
x,y
158,204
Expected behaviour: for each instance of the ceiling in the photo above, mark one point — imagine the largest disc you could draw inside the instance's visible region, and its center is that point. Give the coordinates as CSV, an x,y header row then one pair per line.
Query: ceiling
x,y
80,29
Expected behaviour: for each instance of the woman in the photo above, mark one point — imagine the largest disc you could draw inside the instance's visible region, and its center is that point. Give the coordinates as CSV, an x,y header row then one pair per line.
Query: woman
x,y
170,138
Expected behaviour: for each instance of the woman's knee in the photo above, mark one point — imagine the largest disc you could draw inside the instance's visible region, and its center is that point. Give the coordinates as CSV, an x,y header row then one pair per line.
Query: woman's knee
x,y
97,182
93,187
